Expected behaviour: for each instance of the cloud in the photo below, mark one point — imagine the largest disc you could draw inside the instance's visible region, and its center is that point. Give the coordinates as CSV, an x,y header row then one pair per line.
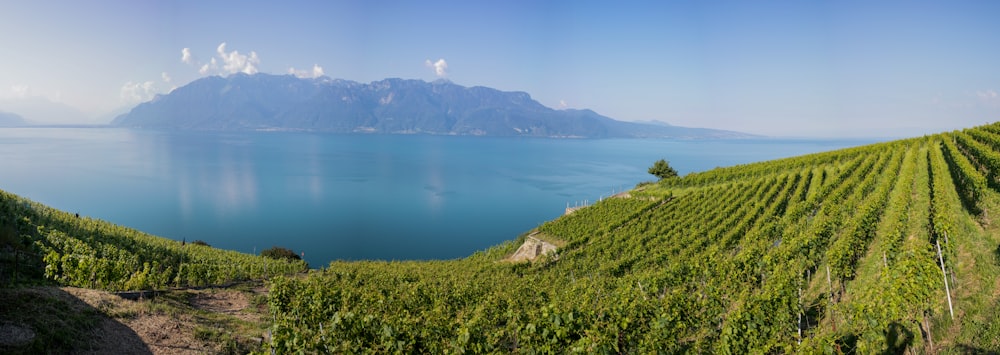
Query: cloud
x,y
225,62
186,57
562,104
234,62
20,91
440,67
134,92
989,98
211,66
317,71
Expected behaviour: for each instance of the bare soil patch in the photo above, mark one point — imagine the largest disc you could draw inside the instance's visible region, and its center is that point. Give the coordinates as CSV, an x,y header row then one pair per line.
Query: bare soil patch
x,y
176,322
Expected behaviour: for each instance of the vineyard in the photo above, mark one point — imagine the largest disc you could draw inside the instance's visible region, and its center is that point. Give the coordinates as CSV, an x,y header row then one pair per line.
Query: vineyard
x,y
42,242
880,248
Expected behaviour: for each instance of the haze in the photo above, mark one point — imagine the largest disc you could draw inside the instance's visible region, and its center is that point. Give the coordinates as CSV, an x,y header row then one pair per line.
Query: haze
x,y
785,68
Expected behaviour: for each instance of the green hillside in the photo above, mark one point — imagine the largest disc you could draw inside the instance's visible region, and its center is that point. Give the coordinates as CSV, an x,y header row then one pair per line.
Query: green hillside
x,y
38,242
826,253
833,252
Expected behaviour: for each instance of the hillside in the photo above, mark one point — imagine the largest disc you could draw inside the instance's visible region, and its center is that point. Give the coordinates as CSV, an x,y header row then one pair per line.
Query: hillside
x,y
8,119
390,106
824,253
41,247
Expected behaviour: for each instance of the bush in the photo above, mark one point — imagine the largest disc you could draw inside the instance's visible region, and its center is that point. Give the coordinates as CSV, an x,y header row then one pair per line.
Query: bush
x,y
277,252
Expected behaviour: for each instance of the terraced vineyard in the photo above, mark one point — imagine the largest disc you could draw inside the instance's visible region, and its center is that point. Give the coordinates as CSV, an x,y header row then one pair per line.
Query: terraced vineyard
x,y
877,248
37,242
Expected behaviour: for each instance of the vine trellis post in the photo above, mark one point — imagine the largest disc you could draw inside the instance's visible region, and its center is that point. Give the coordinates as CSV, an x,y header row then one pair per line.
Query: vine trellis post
x,y
944,274
833,320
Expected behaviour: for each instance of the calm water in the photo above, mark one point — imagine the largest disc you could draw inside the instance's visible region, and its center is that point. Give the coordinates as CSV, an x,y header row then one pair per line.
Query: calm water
x,y
342,196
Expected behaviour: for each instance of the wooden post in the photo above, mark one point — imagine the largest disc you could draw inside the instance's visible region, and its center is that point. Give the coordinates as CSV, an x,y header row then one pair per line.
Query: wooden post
x,y
944,273
800,315
952,273
830,284
927,328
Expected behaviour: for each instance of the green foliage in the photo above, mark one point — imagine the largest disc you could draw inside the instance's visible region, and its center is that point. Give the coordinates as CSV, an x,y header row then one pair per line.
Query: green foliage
x,y
84,252
278,253
200,242
662,170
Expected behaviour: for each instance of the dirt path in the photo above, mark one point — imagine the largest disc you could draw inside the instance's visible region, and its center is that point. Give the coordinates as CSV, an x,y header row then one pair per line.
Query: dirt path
x,y
177,322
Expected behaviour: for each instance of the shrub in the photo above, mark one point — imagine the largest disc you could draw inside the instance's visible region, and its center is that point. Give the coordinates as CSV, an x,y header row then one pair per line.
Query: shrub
x,y
277,252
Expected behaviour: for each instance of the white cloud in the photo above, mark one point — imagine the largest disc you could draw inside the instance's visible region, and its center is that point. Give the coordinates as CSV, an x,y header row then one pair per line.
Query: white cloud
x,y
210,66
225,62
562,104
166,77
186,57
20,91
234,62
440,67
317,71
133,92
989,98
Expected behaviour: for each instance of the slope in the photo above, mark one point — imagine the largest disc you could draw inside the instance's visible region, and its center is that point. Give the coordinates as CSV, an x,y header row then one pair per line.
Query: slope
x,y
37,241
829,252
41,247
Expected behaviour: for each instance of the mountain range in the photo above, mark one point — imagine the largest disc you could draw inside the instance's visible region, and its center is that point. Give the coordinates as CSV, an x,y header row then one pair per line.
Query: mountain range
x,y
8,119
390,106
43,111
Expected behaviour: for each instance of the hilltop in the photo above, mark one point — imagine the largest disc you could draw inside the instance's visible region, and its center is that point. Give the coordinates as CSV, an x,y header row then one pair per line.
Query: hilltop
x,y
390,106
884,248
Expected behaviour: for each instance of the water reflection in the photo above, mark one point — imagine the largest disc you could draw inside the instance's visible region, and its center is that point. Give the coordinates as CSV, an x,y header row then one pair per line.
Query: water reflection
x,y
215,173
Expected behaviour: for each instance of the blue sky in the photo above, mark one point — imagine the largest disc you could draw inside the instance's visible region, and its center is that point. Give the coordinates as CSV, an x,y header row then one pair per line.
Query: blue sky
x,y
783,68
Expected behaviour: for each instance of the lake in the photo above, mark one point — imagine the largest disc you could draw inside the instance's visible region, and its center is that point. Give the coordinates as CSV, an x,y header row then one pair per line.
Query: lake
x,y
346,197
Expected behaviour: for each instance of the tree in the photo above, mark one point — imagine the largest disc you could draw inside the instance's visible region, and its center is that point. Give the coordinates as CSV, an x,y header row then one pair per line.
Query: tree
x,y
662,170
280,253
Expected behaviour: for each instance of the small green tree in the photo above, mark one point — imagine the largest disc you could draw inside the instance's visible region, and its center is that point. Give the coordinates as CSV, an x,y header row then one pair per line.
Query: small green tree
x,y
662,170
277,252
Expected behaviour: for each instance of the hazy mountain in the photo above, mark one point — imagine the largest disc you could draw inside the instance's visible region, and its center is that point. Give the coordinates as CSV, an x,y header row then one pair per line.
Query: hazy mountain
x,y
42,111
107,117
8,119
285,102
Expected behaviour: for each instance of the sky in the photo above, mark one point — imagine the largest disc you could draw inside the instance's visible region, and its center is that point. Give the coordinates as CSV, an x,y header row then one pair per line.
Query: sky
x,y
777,68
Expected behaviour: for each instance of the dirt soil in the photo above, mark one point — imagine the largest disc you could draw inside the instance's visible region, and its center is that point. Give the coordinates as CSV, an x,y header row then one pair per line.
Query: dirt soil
x,y
183,322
